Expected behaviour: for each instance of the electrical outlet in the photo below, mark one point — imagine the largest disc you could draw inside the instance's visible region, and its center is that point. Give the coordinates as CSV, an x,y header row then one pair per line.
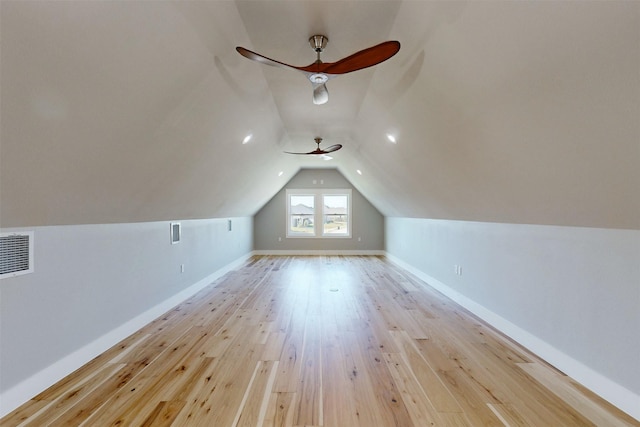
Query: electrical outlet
x,y
181,268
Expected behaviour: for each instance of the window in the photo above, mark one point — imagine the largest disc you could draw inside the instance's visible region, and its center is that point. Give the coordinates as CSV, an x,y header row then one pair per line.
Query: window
x,y
301,215
335,215
318,213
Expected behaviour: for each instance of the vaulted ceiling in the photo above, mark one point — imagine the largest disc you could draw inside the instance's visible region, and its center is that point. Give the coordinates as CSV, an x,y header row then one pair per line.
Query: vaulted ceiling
x,y
126,111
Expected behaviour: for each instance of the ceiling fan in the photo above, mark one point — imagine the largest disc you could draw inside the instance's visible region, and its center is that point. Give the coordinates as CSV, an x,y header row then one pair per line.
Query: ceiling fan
x,y
320,72
318,150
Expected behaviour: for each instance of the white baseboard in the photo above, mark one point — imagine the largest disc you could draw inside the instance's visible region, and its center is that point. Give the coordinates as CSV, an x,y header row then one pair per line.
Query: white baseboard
x,y
319,252
25,390
612,392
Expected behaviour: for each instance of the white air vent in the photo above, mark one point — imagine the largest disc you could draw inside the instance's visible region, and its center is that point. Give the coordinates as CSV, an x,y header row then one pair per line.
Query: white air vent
x,y
16,254
175,232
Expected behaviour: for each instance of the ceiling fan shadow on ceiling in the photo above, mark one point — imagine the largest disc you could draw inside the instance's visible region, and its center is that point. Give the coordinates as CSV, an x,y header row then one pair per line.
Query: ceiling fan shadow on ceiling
x,y
318,151
320,72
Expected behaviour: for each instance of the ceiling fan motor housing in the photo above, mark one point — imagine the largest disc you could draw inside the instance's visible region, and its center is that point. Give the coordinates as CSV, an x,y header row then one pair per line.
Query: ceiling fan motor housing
x,y
318,42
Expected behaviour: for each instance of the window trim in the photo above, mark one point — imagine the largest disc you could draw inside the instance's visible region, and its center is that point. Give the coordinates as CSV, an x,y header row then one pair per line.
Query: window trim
x,y
318,212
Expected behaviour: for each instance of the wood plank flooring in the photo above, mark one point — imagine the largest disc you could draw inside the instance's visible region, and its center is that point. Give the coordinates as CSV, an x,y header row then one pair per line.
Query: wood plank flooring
x,y
317,341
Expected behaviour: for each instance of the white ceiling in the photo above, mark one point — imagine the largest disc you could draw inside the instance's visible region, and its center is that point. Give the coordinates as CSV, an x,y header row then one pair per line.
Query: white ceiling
x,y
520,112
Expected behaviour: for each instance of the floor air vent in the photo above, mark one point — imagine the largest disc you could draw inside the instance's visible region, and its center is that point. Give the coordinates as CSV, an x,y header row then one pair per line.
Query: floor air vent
x,y
16,254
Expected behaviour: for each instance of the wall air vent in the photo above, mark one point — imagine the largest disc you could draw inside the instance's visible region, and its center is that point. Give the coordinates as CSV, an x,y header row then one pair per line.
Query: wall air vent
x,y
16,254
175,232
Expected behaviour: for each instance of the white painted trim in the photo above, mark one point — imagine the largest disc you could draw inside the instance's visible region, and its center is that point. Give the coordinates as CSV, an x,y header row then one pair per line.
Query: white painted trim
x,y
617,395
319,252
25,390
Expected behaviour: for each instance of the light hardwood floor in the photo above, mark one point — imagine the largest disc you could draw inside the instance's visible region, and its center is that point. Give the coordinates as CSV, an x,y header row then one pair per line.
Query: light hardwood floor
x,y
317,341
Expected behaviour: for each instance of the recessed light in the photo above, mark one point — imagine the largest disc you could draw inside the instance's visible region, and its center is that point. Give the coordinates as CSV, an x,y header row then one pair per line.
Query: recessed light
x,y
247,138
391,138
359,171
280,173
325,157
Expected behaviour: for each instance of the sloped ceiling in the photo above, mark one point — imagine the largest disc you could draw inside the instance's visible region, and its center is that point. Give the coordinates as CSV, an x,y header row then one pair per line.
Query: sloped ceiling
x,y
518,112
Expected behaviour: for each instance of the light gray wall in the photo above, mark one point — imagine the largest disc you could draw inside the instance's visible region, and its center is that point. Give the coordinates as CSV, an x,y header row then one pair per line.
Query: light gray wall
x,y
91,279
576,289
270,222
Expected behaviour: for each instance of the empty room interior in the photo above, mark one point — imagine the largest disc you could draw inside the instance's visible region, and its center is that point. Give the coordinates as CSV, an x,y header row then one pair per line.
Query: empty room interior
x,y
319,213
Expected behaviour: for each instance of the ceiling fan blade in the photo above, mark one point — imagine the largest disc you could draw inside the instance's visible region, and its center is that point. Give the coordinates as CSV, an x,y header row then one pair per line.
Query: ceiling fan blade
x,y
310,152
320,94
262,59
333,148
363,59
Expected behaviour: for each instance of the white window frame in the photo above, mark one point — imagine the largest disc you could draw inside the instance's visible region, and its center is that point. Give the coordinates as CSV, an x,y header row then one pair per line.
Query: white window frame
x,y
300,192
323,213
318,212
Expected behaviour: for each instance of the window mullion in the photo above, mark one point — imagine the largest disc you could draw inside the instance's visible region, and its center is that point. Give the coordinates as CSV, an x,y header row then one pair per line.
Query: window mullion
x,y
318,215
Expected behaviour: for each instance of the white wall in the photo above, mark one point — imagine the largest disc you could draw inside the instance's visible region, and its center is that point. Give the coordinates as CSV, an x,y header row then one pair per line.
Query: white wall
x,y
96,284
570,294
